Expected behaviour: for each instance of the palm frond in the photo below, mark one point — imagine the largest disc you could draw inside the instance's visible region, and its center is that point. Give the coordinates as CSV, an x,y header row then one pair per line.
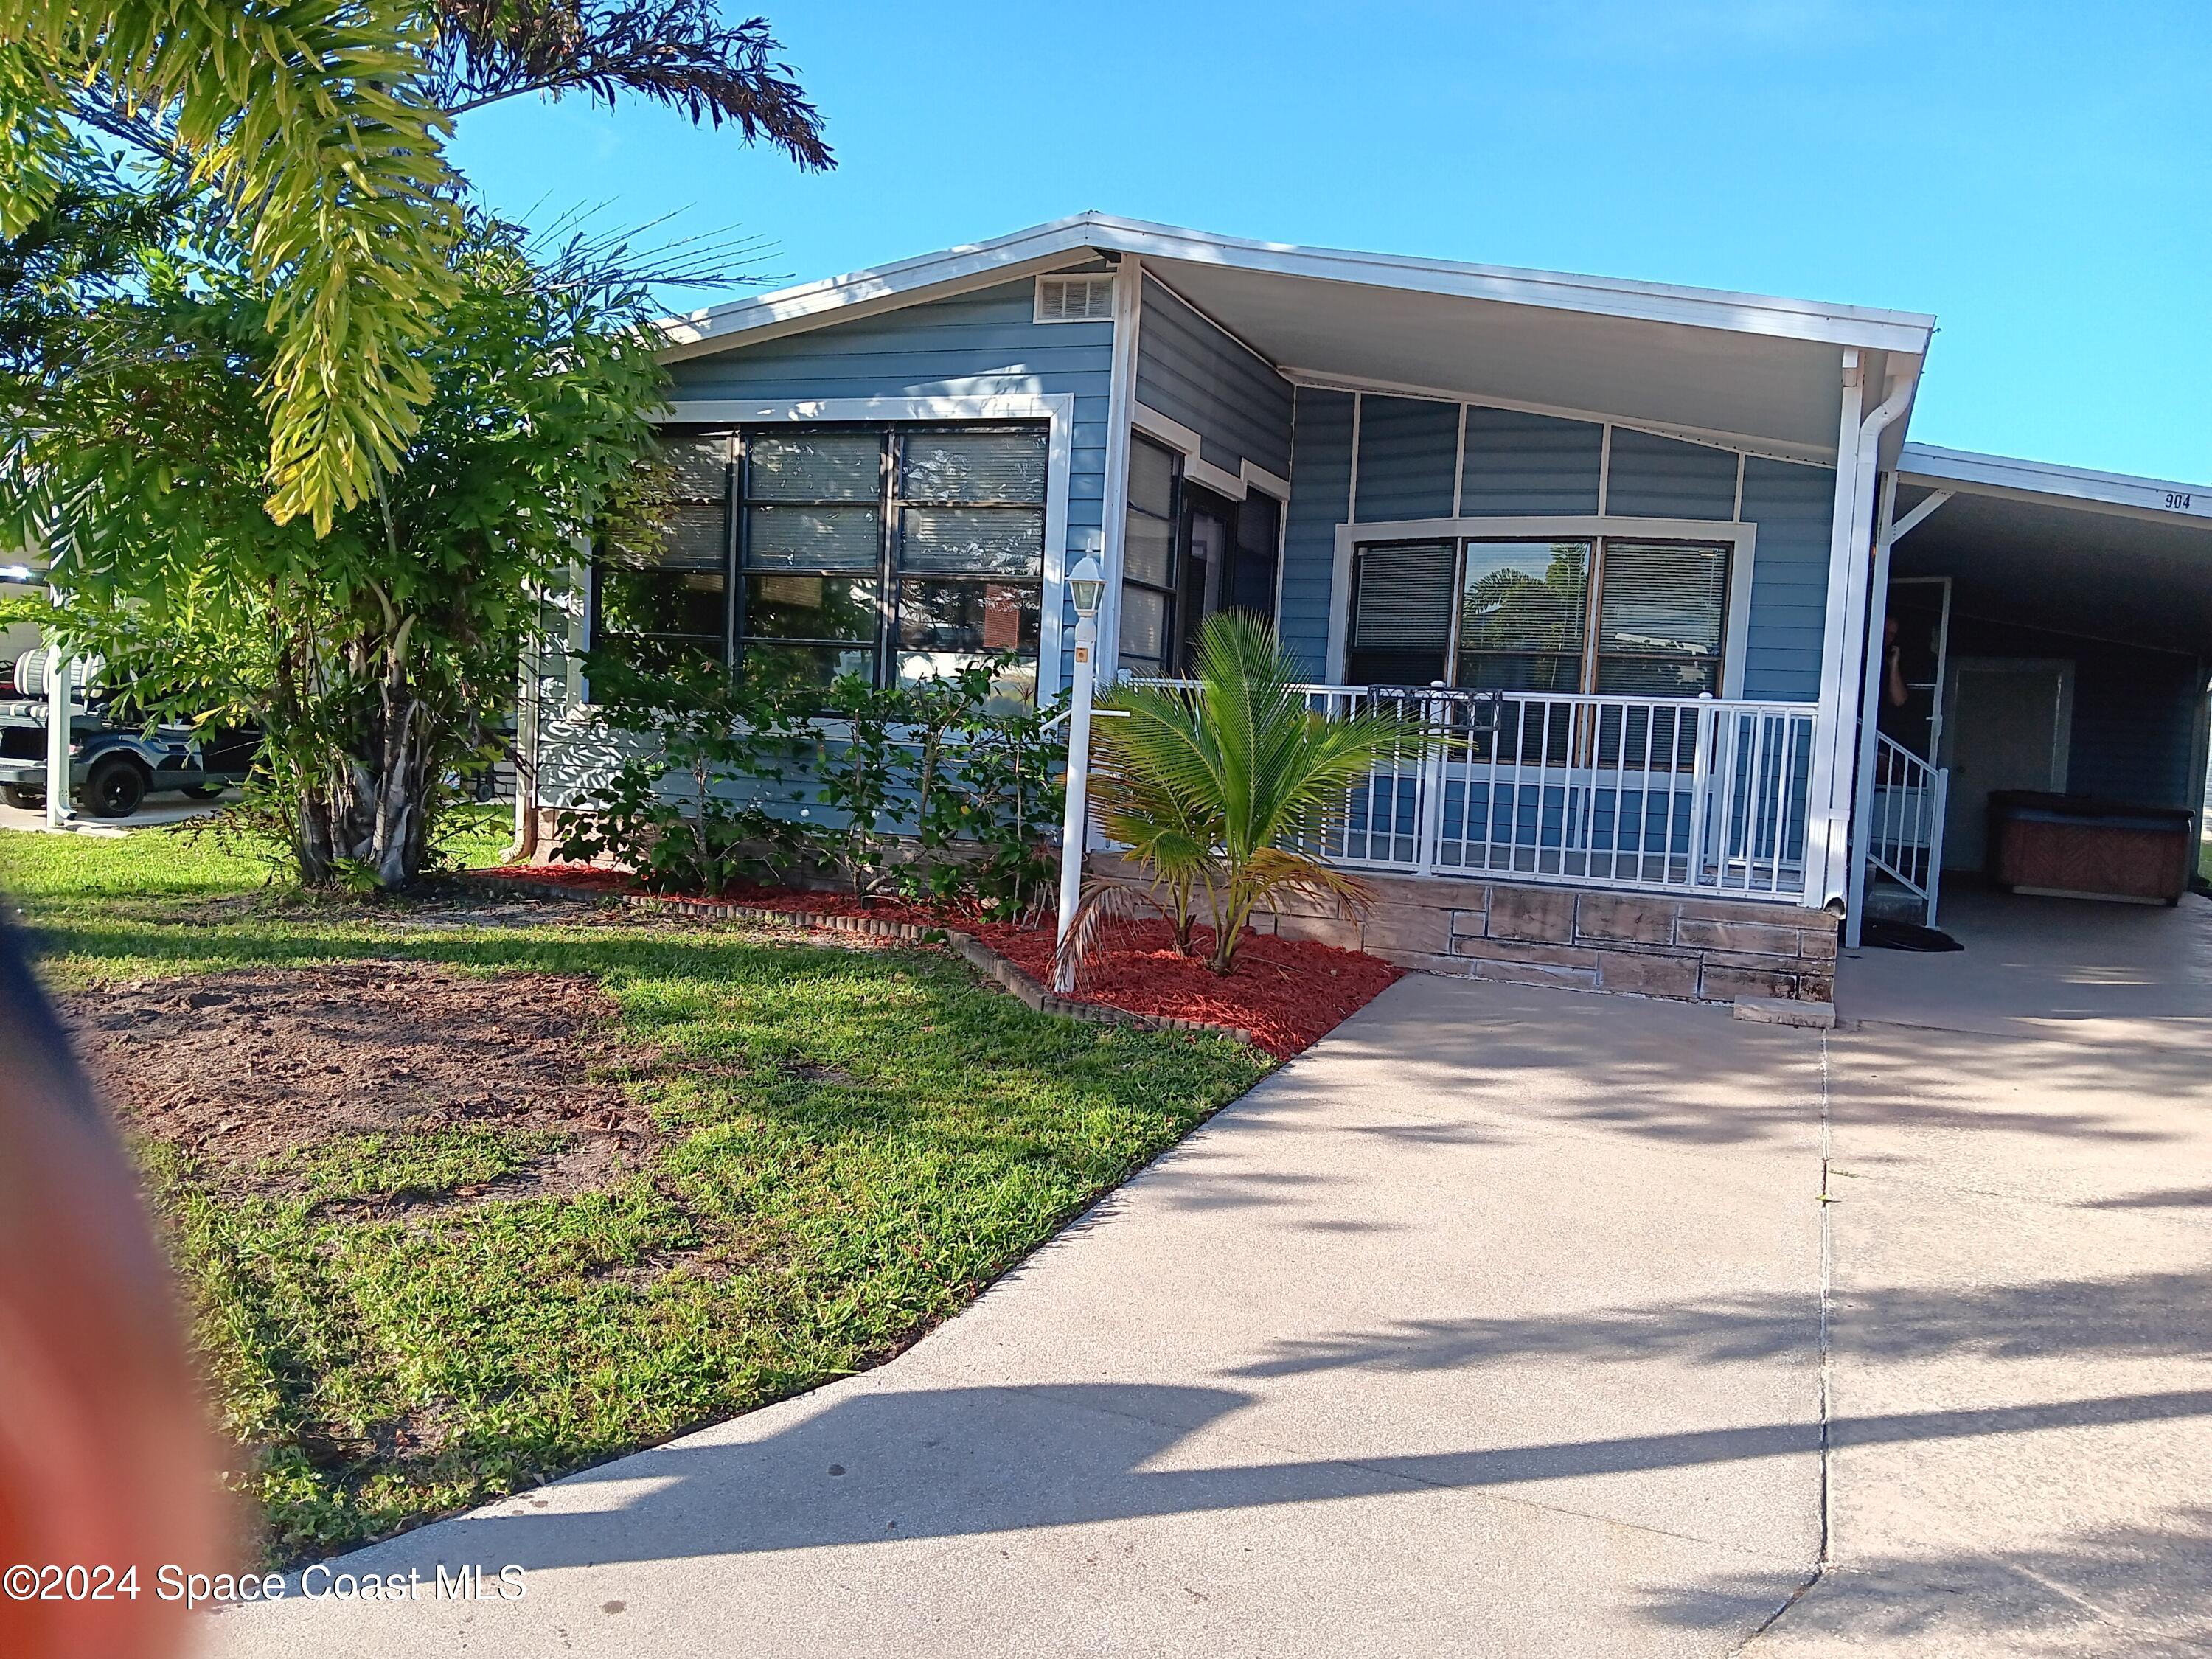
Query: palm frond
x,y
1107,902
1228,785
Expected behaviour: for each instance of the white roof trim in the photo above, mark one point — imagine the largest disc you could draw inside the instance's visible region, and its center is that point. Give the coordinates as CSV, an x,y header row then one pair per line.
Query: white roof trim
x,y
1042,246
2004,475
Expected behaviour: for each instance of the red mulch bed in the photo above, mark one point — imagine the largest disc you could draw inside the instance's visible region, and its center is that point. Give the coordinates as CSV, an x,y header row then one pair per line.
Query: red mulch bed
x,y
1288,992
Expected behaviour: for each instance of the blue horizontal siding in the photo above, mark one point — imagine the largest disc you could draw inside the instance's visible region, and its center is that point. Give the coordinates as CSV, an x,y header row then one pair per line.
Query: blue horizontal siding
x,y
1655,477
1193,372
1793,507
1530,465
1517,465
1321,484
1407,455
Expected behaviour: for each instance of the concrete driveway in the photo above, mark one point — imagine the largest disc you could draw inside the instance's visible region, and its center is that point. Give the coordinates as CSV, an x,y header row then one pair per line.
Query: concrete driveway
x,y
1508,1321
2022,1232
1489,1326
158,811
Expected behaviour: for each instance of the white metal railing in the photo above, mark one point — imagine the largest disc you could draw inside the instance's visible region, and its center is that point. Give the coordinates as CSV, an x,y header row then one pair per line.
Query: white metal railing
x,y
1904,829
1672,794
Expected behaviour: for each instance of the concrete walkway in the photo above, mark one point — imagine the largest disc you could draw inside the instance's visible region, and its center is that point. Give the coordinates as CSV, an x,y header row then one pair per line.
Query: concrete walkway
x,y
1491,1326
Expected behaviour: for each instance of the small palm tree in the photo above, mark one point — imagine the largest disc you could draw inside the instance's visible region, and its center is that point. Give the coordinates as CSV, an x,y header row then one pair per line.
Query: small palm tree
x,y
1218,790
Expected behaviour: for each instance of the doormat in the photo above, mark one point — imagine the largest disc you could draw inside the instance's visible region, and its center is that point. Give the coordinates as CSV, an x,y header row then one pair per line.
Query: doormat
x,y
1884,934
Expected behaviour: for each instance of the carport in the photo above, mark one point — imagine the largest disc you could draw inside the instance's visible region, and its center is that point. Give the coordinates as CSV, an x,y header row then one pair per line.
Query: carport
x,y
2051,629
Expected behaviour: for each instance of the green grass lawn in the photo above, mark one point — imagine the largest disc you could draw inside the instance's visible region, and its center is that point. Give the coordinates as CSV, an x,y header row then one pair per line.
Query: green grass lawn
x,y
853,1143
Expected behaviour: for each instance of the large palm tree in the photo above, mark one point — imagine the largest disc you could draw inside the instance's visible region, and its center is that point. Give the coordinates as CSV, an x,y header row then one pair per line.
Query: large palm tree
x,y
321,126
1221,791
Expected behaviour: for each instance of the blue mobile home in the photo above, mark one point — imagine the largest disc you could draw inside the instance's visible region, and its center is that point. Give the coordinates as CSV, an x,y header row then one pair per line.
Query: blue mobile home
x,y
1627,543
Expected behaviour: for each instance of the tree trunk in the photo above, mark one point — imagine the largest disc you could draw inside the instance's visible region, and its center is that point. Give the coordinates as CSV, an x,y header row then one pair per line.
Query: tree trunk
x,y
372,815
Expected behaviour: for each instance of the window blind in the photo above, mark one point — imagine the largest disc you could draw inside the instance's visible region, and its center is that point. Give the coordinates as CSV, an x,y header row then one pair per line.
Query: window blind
x,y
1400,631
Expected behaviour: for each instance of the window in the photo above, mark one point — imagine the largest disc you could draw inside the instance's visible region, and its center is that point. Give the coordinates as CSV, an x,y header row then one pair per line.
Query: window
x,y
1086,299
1659,614
1187,553
1148,559
968,574
1521,610
894,552
810,588
668,597
1401,611
1635,617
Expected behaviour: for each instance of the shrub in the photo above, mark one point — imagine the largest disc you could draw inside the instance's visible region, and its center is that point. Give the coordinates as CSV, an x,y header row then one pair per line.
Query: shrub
x,y
935,790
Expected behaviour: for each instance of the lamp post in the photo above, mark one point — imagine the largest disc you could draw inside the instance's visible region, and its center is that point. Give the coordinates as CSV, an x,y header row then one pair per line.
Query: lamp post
x,y
1086,585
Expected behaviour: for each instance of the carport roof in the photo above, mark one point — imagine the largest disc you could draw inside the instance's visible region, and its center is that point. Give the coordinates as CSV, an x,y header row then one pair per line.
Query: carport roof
x,y
2065,550
1703,362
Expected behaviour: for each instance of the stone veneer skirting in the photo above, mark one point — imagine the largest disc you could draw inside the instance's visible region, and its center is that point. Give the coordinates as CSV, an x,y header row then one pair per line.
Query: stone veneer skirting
x,y
1652,944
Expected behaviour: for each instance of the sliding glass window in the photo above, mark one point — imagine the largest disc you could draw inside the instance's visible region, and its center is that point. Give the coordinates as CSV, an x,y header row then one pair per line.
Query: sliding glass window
x,y
1635,617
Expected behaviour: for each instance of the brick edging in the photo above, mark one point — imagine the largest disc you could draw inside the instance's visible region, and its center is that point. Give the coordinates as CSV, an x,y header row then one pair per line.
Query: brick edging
x,y
1001,971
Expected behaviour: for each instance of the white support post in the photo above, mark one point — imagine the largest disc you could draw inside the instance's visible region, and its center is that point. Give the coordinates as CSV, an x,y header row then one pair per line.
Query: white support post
x,y
58,670
528,691
1817,823
1075,820
1828,796
1870,694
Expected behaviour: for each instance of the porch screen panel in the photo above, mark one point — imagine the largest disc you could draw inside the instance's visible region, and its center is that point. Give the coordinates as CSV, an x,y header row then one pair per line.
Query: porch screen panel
x,y
663,597
1523,611
1662,611
1400,623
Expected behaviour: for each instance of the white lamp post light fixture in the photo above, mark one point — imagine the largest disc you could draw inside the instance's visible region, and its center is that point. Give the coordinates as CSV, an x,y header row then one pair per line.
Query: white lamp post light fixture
x,y
1086,587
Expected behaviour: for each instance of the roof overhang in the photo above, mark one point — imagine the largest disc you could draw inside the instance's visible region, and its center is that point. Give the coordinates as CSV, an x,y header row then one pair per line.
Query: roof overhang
x,y
1745,368
2066,549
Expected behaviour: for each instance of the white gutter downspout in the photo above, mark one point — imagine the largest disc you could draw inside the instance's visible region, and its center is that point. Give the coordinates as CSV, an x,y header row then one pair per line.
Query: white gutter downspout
x,y
1828,837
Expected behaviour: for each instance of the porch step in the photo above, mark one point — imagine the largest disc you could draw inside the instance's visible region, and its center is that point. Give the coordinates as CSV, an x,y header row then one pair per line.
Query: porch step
x,y
1781,1010
1893,902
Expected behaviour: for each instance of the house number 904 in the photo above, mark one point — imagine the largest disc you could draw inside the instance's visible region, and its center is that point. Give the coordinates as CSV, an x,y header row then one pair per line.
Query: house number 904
x,y
2175,498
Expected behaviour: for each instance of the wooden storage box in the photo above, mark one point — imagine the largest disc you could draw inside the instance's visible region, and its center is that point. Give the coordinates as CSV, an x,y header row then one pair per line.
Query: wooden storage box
x,y
2077,847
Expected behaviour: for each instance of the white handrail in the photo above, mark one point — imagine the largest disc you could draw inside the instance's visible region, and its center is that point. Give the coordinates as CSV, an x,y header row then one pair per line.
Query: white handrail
x,y
1904,823
1666,794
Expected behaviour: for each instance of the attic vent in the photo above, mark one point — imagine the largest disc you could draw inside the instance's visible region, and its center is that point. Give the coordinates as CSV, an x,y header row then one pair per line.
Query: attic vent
x,y
1075,299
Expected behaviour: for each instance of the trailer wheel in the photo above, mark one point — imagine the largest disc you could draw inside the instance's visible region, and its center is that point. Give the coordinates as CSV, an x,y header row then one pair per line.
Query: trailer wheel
x,y
114,786
202,791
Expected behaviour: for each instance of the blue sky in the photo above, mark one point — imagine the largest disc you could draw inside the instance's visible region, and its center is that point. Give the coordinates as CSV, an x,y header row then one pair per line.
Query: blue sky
x,y
2037,175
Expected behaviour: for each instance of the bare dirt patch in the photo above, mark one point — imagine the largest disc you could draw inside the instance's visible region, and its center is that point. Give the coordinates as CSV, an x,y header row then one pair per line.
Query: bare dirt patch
x,y
243,1069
